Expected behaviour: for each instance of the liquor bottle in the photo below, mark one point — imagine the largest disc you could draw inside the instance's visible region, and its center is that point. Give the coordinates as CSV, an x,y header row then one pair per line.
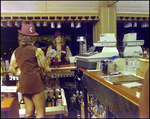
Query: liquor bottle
x,y
54,98
78,115
2,67
48,100
89,106
22,103
77,93
59,99
82,105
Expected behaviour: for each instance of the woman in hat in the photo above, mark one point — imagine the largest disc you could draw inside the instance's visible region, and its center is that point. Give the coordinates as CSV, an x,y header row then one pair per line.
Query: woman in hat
x,y
63,51
27,62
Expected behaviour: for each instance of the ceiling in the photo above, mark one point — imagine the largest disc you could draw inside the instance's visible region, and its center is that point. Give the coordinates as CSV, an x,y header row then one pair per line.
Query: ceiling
x,y
88,10
132,7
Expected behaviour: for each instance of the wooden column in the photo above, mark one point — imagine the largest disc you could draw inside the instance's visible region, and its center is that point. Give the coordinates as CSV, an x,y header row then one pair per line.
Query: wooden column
x,y
107,22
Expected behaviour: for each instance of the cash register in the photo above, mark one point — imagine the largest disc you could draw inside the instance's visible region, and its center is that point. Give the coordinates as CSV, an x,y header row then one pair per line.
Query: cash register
x,y
131,45
101,50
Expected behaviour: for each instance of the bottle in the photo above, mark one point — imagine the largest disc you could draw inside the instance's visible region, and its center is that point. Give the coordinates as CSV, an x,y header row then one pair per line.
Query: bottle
x,y
48,100
77,93
2,67
82,105
59,99
89,106
22,103
54,98
78,115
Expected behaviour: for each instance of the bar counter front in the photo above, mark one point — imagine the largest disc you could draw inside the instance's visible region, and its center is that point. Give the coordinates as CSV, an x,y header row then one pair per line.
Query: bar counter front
x,y
121,101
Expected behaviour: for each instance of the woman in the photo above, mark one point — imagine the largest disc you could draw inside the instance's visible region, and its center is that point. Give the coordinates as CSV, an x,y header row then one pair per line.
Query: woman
x,y
27,62
63,52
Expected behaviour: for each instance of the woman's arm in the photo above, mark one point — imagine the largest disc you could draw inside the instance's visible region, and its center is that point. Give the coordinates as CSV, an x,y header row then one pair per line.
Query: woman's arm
x,y
42,61
49,58
68,53
14,68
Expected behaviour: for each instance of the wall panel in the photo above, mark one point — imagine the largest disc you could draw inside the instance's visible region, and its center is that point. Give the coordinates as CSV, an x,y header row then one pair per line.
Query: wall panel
x,y
72,6
23,6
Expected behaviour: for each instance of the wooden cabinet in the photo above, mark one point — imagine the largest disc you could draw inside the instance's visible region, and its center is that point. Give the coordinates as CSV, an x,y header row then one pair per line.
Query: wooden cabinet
x,y
10,108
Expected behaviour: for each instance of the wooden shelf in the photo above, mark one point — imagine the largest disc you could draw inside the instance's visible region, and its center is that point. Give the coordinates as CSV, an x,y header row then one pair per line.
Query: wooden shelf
x,y
62,17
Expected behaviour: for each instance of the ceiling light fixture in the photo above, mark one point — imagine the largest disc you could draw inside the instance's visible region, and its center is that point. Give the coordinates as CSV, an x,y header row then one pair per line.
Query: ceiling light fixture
x,y
23,22
144,24
58,24
134,24
3,24
45,23
72,24
38,24
9,24
118,9
78,25
52,24
31,22
17,24
127,24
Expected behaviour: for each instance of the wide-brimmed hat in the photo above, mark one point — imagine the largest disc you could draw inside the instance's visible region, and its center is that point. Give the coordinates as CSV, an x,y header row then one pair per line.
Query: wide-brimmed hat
x,y
57,33
28,29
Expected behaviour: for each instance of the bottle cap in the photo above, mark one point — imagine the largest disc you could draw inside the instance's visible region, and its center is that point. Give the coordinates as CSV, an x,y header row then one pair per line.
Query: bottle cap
x,y
81,92
49,86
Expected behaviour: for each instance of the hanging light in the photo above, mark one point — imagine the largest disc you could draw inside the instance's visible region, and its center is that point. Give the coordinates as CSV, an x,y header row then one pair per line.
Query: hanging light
x,y
52,24
3,24
58,24
17,24
38,23
134,24
144,24
23,22
45,23
127,24
78,25
72,24
31,22
9,24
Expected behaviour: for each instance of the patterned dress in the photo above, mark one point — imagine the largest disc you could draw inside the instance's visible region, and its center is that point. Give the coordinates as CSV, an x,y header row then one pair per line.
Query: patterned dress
x,y
64,53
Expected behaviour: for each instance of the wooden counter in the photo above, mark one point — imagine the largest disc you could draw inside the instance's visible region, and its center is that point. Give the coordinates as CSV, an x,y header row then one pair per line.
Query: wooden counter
x,y
63,67
10,107
122,101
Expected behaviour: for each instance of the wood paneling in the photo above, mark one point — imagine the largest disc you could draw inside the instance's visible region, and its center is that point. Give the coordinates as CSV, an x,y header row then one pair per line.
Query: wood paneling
x,y
72,6
133,7
23,6
110,3
118,105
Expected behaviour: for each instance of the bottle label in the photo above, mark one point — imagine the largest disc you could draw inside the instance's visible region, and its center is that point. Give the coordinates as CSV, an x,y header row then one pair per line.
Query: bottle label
x,y
59,102
52,103
22,106
82,110
48,104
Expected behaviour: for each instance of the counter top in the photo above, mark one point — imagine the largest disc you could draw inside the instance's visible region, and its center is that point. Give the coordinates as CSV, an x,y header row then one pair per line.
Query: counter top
x,y
128,93
63,67
6,103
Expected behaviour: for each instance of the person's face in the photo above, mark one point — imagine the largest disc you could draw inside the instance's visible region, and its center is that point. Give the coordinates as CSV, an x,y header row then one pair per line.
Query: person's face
x,y
58,39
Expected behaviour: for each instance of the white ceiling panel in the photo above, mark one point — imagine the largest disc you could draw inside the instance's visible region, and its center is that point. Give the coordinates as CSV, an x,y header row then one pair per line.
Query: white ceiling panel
x,y
132,6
